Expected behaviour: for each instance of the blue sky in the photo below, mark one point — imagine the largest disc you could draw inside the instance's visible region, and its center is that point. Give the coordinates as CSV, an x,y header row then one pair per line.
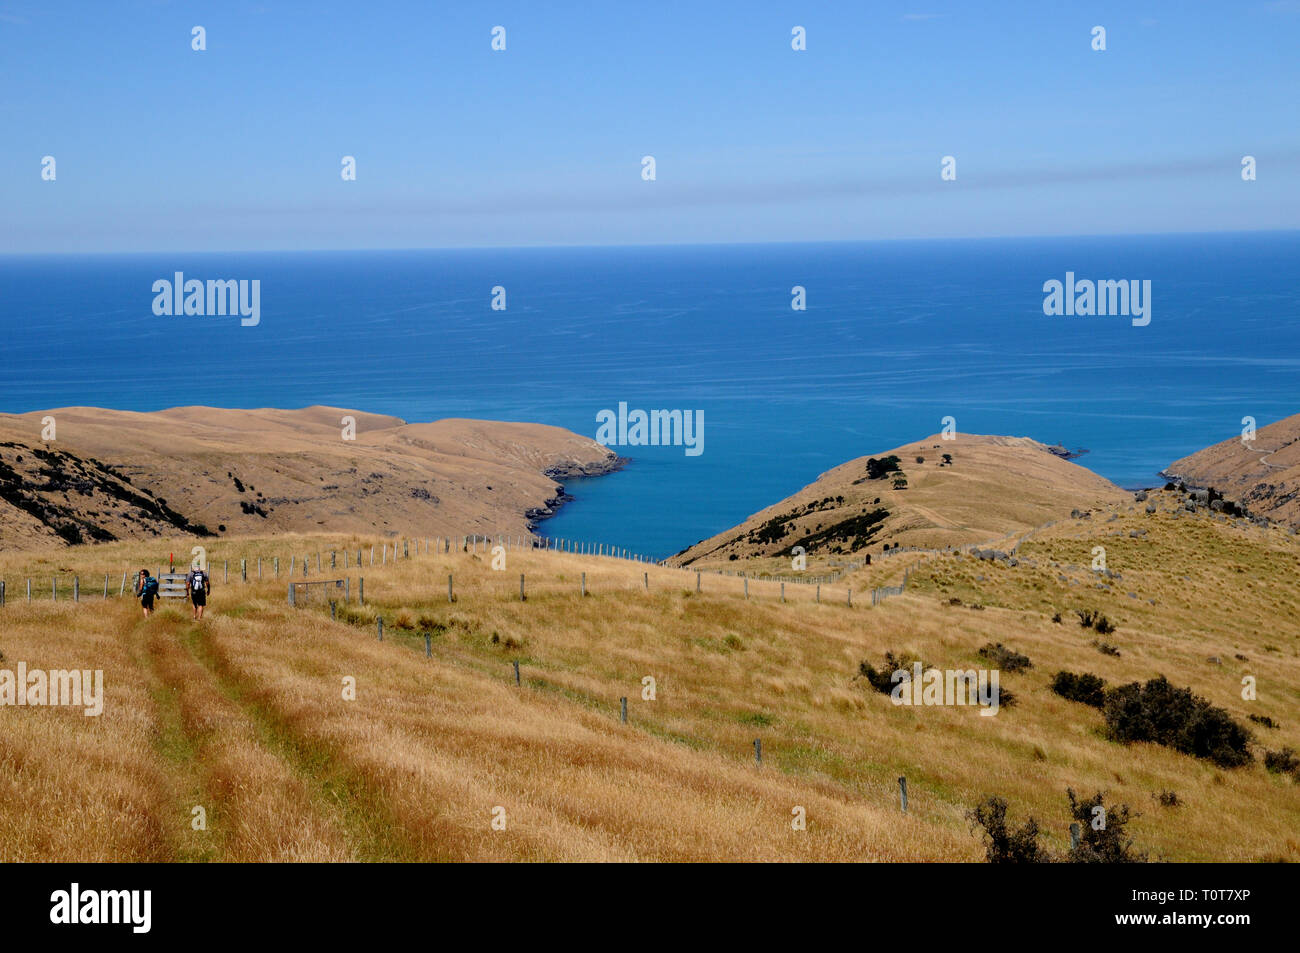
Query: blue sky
x,y
159,147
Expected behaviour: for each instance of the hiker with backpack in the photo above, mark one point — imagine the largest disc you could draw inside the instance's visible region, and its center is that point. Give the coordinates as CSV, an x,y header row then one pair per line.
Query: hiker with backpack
x,y
146,587
197,584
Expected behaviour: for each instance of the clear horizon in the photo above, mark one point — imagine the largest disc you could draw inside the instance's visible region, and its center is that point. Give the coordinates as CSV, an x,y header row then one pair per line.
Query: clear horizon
x,y
238,147
630,245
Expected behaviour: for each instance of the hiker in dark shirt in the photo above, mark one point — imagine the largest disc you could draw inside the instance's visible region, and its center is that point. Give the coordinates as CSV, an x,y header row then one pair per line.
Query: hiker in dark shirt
x,y
146,587
197,584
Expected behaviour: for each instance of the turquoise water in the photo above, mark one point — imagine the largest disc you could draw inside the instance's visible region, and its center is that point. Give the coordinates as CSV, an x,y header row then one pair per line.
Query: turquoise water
x,y
897,335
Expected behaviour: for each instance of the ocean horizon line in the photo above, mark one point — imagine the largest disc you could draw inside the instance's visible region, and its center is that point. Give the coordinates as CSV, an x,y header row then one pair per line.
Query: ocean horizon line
x,y
539,246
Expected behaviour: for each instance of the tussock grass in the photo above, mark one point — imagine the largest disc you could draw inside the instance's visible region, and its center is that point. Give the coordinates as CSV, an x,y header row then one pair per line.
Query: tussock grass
x,y
245,712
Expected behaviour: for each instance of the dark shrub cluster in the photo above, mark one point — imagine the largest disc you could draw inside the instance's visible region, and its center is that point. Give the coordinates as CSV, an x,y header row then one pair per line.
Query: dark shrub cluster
x,y
1283,762
1092,619
1105,648
1264,720
878,469
882,679
1004,658
1085,688
1167,799
1103,835
1003,844
1157,711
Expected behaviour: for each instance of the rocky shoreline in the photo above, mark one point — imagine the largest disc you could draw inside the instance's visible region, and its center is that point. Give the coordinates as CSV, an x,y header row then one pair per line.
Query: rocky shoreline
x,y
566,470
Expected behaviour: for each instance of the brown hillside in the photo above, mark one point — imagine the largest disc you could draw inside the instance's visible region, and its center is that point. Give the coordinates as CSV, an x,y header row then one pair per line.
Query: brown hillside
x,y
118,474
1263,476
995,486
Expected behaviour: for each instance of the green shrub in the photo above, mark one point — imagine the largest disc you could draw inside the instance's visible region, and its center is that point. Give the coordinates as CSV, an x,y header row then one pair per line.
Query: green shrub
x,y
1092,619
1002,844
1102,834
1004,658
1174,717
882,679
1086,689
1283,762
878,469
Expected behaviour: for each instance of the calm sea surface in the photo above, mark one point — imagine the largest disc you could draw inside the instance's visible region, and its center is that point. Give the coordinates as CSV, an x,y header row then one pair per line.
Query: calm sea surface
x,y
895,337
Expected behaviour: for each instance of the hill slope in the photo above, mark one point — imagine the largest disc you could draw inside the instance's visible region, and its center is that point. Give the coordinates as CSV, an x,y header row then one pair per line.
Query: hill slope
x,y
1263,476
994,486
245,714
117,474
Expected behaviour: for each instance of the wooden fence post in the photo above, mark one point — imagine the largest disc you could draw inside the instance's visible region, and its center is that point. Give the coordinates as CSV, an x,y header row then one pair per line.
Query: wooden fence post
x,y
902,793
379,620
105,585
288,596
584,584
428,645
451,595
29,590
697,581
1074,836
623,700
758,751
646,577
517,682
819,593
277,567
361,590
122,591
293,561
76,588
783,592
243,569
347,589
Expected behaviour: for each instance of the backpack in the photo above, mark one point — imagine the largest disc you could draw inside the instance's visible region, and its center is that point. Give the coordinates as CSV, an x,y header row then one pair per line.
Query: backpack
x,y
198,581
150,587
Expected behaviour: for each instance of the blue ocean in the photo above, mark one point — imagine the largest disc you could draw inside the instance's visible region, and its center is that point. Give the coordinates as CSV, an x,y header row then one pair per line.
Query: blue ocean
x,y
895,337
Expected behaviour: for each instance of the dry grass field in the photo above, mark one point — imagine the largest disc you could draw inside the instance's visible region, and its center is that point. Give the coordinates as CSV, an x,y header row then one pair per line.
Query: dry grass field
x,y
244,714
